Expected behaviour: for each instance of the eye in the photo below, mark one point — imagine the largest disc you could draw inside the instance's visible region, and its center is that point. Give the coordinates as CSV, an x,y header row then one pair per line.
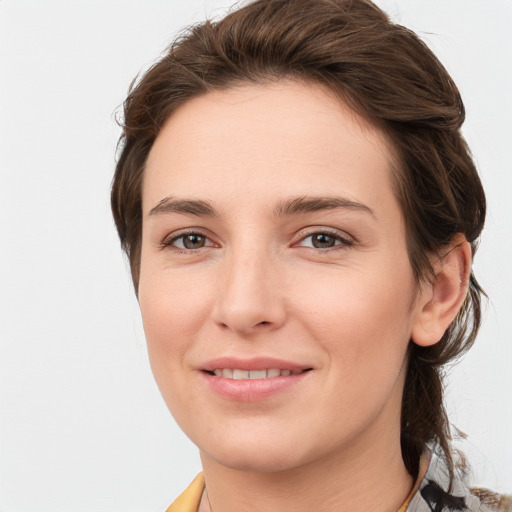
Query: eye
x,y
324,240
191,241
188,241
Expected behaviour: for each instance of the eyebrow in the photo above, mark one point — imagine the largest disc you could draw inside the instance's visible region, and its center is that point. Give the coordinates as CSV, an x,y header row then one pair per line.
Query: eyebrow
x,y
288,207
184,206
309,204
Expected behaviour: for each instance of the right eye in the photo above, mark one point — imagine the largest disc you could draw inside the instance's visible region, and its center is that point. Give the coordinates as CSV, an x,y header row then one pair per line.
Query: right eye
x,y
189,241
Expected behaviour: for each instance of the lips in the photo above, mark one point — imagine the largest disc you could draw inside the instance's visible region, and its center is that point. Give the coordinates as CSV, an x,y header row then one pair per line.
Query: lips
x,y
240,374
269,365
249,380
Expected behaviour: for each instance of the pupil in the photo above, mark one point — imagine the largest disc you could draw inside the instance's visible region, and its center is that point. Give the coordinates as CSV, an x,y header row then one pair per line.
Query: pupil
x,y
193,241
321,240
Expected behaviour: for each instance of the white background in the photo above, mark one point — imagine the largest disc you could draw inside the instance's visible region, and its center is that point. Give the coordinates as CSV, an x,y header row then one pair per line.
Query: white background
x,y
82,424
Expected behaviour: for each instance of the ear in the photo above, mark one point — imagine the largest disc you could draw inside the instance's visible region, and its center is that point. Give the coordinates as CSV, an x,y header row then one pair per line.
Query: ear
x,y
440,300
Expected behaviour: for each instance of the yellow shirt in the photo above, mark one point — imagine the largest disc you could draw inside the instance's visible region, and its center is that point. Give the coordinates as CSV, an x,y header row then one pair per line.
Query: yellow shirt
x,y
189,499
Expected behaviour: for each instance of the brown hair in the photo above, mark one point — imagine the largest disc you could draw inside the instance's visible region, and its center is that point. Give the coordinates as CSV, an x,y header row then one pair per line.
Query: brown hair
x,y
388,76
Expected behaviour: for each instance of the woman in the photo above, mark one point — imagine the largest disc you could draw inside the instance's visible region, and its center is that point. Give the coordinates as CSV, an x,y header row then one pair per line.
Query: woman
x,y
300,212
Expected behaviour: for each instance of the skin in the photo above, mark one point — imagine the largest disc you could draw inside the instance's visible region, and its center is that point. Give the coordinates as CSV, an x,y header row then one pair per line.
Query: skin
x,y
254,284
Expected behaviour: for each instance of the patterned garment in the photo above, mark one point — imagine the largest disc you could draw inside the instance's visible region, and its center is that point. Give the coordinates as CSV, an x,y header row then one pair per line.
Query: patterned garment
x,y
435,495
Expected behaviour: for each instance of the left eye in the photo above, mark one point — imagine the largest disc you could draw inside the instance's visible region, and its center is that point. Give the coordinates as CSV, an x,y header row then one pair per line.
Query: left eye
x,y
323,241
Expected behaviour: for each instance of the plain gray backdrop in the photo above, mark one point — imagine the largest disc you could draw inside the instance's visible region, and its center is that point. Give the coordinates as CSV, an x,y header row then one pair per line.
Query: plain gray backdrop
x,y
82,424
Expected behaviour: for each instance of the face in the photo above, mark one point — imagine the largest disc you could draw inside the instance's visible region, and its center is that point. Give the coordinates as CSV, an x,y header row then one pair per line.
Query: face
x,y
275,288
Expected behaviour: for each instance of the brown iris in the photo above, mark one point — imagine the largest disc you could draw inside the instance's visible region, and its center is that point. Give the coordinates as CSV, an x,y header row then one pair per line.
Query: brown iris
x,y
323,240
193,241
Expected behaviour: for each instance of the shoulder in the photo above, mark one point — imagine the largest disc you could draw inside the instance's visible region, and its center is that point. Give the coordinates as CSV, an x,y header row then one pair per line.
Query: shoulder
x,y
436,494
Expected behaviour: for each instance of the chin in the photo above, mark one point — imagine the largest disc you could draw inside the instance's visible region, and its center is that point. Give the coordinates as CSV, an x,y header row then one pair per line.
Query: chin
x,y
262,452
261,460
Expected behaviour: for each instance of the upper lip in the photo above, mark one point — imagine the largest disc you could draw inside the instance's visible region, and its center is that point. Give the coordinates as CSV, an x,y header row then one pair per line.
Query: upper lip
x,y
254,363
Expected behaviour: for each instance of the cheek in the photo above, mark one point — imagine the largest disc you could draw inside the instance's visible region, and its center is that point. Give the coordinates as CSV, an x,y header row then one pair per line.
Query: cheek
x,y
172,310
362,319
362,326
173,307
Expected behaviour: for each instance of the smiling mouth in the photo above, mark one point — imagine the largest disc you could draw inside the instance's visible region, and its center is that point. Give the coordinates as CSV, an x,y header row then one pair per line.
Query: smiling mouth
x,y
270,373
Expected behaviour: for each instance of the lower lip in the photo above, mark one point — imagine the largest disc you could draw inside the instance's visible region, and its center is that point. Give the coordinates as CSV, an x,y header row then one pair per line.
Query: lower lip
x,y
251,390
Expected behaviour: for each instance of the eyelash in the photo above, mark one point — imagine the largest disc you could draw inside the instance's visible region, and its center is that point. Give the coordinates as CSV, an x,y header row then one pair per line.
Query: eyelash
x,y
341,241
168,242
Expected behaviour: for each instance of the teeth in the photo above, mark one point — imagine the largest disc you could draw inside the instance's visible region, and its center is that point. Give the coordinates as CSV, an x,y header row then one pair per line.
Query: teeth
x,y
240,374
236,374
258,374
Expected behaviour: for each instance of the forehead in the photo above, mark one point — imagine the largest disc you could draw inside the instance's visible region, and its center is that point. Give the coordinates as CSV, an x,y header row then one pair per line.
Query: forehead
x,y
260,139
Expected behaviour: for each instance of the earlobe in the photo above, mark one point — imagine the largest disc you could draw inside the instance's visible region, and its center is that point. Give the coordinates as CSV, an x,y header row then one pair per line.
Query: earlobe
x,y
441,300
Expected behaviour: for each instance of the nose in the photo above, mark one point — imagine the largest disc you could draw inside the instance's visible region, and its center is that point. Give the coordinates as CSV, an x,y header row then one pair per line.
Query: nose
x,y
249,295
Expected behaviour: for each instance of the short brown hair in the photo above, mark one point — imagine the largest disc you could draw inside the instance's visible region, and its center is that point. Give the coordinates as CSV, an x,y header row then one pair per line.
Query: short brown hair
x,y
387,75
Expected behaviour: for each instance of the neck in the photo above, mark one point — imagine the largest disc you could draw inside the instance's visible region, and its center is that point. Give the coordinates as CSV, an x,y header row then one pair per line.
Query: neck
x,y
360,479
